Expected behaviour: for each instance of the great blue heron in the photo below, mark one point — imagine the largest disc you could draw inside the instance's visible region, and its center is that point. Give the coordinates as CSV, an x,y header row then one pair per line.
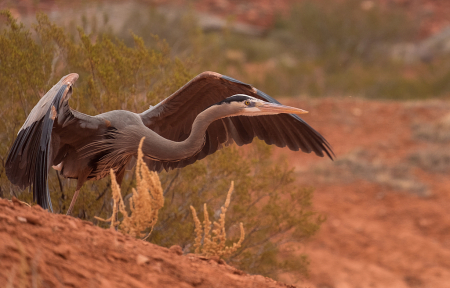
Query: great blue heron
x,y
207,113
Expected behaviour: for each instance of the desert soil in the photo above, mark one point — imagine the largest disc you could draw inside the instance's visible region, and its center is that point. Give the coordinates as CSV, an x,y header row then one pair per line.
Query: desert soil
x,y
40,249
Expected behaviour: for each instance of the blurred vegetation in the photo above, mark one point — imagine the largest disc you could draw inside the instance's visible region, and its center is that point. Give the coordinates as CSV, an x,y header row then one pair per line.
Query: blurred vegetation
x,y
341,48
319,48
115,74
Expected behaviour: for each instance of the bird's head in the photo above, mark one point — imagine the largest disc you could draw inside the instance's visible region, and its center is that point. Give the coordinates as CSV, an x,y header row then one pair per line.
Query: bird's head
x,y
241,104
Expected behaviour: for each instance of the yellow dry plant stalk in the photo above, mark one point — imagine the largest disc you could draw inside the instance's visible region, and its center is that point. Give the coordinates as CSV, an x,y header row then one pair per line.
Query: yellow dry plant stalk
x,y
215,245
145,203
198,231
207,242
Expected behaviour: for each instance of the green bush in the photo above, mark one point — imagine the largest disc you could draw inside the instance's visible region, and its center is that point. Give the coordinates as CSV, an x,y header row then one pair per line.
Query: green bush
x,y
114,75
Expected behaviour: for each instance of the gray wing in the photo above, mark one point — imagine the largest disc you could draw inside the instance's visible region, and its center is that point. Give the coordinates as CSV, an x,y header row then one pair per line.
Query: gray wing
x,y
50,126
172,118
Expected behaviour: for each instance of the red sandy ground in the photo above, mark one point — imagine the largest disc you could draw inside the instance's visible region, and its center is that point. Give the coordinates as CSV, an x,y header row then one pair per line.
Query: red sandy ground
x,y
40,249
377,233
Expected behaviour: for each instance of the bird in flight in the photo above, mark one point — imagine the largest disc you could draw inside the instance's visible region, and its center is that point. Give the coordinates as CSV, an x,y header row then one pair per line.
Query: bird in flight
x,y
209,112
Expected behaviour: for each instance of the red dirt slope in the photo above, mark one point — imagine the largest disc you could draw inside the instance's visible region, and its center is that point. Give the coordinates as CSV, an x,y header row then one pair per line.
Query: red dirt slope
x,y
40,249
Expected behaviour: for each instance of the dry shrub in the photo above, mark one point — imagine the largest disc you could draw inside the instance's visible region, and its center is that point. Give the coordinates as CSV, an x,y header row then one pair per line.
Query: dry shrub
x,y
215,245
144,204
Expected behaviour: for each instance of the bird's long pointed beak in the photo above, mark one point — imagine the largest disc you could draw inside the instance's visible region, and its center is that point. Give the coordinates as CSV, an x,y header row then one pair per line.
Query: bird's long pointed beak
x,y
278,108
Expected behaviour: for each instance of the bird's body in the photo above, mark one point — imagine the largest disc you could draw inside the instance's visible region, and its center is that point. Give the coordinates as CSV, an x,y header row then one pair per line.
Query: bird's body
x,y
113,120
209,112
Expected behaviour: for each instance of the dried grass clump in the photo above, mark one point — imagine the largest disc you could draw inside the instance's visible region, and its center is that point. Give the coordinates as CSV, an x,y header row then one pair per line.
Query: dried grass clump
x,y
215,245
144,204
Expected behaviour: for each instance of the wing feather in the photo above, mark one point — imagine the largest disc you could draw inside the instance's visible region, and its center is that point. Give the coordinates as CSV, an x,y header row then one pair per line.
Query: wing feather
x,y
172,118
38,142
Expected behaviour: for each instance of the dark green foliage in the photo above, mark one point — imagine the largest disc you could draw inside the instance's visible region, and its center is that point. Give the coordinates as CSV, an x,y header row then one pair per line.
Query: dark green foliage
x,y
115,75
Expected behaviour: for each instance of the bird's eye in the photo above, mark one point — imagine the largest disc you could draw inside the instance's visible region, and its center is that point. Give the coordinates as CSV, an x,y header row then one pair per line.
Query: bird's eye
x,y
247,102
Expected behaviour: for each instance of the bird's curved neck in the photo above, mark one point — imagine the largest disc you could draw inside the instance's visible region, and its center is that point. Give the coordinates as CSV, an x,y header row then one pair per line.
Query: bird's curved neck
x,y
164,149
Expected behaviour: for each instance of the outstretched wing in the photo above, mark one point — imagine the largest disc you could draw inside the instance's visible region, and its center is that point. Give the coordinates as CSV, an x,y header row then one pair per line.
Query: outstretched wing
x,y
38,144
172,118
